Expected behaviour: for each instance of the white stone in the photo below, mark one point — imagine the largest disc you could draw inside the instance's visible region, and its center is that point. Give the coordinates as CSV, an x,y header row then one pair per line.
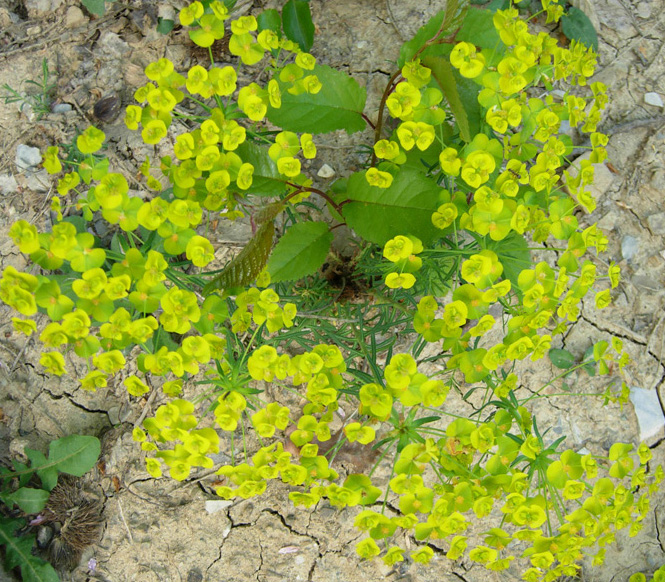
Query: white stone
x,y
629,247
325,172
649,413
215,505
27,157
166,11
653,99
8,184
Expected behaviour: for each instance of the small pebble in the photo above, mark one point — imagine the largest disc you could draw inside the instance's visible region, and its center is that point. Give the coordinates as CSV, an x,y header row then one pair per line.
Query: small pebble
x,y
653,99
649,414
629,247
8,184
61,108
215,505
325,172
38,181
33,30
27,157
74,17
656,223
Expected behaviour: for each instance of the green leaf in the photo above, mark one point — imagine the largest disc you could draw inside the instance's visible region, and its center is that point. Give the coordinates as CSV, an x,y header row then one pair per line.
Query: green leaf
x,y
442,71
270,20
267,181
48,474
577,26
562,359
28,499
164,25
338,105
74,454
478,28
379,214
298,25
513,252
95,7
18,553
244,268
300,252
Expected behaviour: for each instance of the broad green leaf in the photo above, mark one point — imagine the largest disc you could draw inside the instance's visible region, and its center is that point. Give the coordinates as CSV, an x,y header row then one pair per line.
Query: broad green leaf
x,y
267,181
18,553
74,454
244,268
297,22
379,214
442,71
513,252
562,359
164,25
577,26
28,499
478,28
300,252
47,474
95,7
338,105
270,20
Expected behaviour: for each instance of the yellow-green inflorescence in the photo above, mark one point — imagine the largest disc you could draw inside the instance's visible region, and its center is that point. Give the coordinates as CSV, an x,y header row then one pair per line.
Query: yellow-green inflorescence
x,y
141,290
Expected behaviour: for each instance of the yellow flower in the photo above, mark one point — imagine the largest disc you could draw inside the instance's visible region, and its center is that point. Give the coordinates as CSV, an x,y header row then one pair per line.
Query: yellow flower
x,y
378,178
465,58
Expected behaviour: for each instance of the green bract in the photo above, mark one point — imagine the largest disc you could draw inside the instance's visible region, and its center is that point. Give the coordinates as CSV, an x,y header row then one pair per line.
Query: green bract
x,y
466,178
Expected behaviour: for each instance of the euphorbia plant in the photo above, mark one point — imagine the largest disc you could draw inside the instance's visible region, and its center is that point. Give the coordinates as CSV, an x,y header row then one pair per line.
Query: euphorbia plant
x,y
467,176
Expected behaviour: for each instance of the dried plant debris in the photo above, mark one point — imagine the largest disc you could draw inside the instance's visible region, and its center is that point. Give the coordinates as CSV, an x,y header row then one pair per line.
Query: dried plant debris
x,y
72,521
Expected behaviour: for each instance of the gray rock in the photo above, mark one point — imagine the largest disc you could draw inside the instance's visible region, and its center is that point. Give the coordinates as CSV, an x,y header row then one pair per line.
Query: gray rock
x,y
656,223
653,99
629,247
74,17
8,184
649,414
27,157
39,181
113,45
61,108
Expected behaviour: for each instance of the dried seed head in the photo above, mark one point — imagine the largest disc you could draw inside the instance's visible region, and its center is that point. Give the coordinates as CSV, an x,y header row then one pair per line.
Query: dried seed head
x,y
107,108
76,522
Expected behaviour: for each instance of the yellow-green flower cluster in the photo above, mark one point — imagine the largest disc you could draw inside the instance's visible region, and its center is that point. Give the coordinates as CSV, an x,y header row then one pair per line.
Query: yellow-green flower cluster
x,y
175,422
261,307
402,251
320,370
445,511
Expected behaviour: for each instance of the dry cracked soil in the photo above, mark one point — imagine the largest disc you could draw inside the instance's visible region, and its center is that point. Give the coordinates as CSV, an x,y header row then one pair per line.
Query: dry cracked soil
x,y
163,531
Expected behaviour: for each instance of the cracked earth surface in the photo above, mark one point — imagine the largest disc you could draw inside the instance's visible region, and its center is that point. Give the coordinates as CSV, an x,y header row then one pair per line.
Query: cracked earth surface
x,y
167,531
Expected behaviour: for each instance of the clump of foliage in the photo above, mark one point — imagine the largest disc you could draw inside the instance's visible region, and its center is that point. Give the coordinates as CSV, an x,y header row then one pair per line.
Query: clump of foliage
x,y
39,97
73,455
466,179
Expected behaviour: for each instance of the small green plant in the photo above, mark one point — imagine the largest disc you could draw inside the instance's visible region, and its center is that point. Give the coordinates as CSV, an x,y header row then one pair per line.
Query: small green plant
x,y
39,98
466,178
73,455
